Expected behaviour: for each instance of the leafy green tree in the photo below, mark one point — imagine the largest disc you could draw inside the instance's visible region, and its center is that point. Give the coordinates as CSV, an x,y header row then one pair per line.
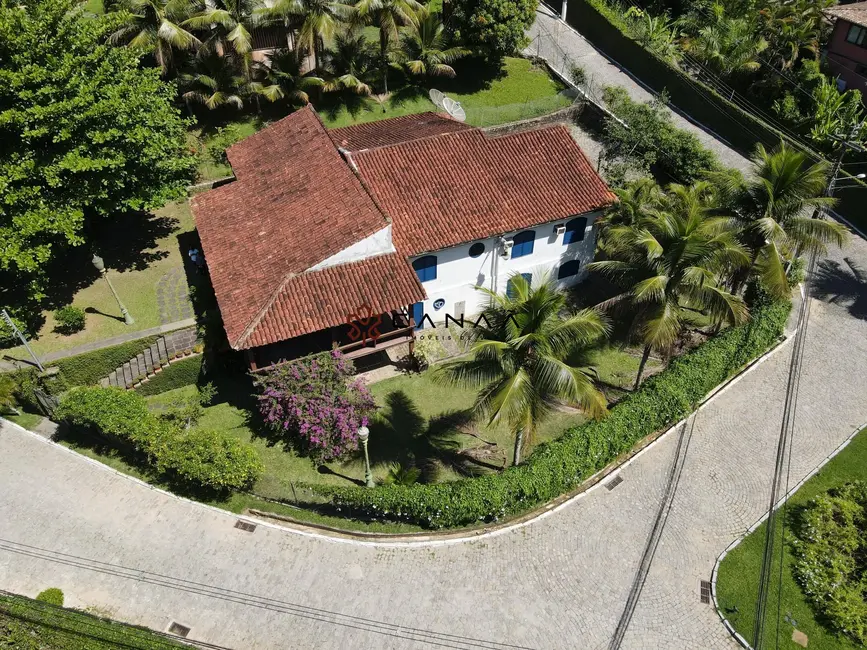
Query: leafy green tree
x,y
729,45
636,201
86,132
773,207
793,29
835,113
424,51
214,81
388,16
229,25
321,20
675,261
656,33
519,359
497,26
156,27
351,64
281,77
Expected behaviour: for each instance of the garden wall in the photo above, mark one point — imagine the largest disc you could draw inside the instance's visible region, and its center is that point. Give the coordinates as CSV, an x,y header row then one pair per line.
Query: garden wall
x,y
557,467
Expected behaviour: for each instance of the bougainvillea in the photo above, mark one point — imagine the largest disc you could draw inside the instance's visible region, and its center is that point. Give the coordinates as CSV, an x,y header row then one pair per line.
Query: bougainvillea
x,y
315,403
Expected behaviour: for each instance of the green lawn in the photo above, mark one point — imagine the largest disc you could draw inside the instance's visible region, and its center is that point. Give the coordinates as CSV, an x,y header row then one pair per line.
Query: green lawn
x,y
26,420
146,248
738,574
517,91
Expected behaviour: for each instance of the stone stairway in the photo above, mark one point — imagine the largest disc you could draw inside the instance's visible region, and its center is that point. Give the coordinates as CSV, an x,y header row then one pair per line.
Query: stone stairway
x,y
163,351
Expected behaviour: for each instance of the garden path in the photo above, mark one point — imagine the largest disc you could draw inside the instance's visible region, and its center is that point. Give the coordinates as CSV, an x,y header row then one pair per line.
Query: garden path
x,y
559,582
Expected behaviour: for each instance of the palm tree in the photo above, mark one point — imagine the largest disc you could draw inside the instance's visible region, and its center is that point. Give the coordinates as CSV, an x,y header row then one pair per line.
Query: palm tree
x,y
675,261
424,50
729,45
321,20
230,23
389,16
214,81
519,358
773,207
635,202
351,63
281,77
156,26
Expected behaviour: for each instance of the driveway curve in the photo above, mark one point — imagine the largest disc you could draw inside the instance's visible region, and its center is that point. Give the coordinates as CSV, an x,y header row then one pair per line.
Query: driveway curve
x,y
145,557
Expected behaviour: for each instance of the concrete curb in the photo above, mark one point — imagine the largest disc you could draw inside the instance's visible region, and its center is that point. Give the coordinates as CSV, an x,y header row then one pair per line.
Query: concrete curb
x,y
715,574
446,538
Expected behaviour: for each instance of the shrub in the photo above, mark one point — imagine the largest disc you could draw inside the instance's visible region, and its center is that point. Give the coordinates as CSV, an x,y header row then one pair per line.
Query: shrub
x,y
651,140
184,372
313,401
89,368
578,75
559,466
28,380
204,458
831,552
70,319
210,459
53,596
496,26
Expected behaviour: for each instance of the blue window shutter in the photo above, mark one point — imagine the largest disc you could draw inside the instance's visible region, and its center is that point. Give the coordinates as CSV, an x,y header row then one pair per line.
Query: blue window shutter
x,y
568,269
575,230
426,268
418,314
523,243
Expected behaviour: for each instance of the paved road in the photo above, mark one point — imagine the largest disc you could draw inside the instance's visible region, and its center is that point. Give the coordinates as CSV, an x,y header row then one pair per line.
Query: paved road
x,y
559,582
564,47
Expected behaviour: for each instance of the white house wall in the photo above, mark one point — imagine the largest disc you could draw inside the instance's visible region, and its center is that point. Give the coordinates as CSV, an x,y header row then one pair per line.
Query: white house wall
x,y
379,243
458,273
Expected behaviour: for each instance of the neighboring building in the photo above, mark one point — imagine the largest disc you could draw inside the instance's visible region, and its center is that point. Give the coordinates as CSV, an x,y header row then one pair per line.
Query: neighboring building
x,y
847,47
404,216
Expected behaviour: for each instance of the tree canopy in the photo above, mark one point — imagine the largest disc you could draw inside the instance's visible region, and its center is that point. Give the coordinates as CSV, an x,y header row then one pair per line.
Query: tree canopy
x,y
86,132
498,26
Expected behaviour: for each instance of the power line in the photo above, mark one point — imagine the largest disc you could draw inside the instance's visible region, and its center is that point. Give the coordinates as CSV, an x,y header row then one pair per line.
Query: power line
x,y
408,633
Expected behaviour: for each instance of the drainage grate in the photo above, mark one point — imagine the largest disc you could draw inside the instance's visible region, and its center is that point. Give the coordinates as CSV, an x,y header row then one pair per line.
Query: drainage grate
x,y
243,525
705,591
178,629
613,483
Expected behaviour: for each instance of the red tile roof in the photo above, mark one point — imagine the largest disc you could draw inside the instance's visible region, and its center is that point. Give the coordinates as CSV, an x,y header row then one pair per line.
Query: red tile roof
x,y
854,13
394,131
446,190
295,203
316,300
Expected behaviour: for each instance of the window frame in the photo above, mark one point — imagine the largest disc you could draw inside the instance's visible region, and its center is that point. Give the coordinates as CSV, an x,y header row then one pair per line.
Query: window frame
x,y
519,248
860,39
510,287
482,252
427,272
572,230
569,265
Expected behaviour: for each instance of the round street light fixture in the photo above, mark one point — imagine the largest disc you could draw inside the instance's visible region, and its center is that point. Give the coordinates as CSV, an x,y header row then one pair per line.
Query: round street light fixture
x,y
363,437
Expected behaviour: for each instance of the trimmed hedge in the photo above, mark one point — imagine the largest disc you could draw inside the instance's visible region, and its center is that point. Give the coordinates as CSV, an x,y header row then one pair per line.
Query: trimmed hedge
x,y
26,623
87,369
175,375
561,465
52,596
204,458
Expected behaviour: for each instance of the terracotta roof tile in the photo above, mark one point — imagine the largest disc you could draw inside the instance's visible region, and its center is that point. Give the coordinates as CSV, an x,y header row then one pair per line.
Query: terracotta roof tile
x,y
460,186
295,202
854,13
394,131
316,300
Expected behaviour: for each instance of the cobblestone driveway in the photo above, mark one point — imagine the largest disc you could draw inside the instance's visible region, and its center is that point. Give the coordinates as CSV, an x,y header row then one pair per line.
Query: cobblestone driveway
x,y
559,582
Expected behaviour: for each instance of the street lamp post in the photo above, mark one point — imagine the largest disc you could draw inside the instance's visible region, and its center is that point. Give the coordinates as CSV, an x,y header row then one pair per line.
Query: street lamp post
x,y
363,435
100,266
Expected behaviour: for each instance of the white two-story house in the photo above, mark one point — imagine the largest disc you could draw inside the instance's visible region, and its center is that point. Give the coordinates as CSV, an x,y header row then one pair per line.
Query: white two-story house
x,y
325,236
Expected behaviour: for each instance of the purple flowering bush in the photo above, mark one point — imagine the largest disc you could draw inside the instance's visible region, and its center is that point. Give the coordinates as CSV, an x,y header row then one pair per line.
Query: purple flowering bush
x,y
316,404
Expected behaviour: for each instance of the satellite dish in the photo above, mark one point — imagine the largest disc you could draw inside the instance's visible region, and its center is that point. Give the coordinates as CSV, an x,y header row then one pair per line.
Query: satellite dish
x,y
454,109
436,97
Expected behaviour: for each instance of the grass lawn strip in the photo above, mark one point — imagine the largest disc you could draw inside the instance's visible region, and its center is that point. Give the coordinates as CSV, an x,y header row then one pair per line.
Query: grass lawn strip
x,y
737,581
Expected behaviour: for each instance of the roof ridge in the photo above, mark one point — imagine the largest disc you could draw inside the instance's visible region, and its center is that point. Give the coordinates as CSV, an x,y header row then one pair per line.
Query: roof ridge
x,y
470,131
